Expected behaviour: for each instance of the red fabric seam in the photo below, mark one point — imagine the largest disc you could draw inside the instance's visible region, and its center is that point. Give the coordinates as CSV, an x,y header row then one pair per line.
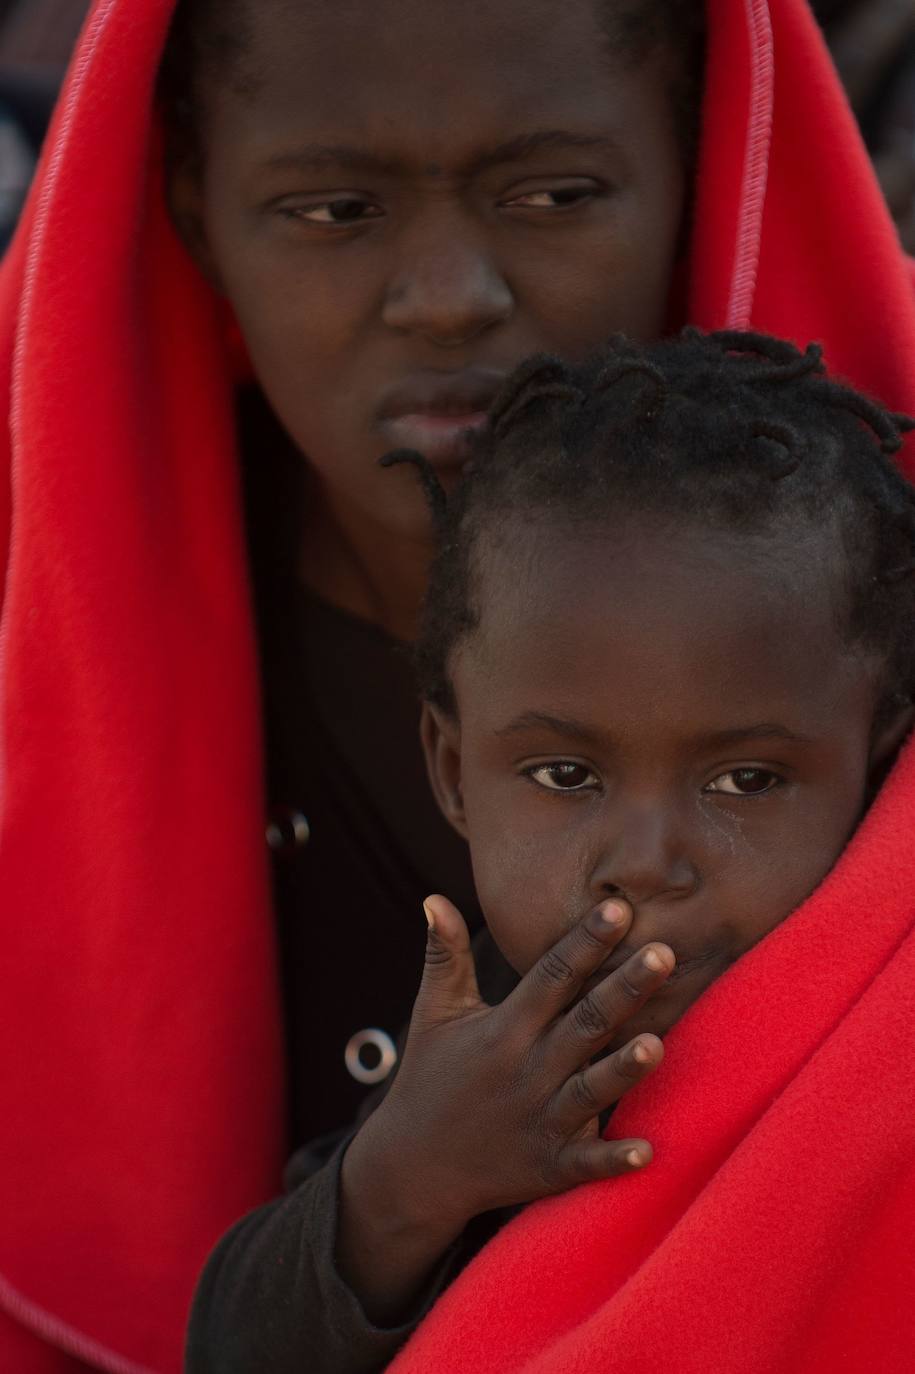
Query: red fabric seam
x,y
55,1332
756,164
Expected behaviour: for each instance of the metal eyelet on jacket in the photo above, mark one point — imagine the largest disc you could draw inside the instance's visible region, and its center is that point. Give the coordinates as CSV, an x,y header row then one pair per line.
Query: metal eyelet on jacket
x,y
363,1067
287,831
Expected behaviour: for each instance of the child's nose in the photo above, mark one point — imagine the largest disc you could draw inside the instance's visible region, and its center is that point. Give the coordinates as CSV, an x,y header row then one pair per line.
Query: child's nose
x,y
645,854
449,288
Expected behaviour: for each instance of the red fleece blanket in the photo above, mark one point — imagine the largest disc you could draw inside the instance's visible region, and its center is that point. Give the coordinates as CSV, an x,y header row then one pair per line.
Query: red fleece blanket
x,y
140,1100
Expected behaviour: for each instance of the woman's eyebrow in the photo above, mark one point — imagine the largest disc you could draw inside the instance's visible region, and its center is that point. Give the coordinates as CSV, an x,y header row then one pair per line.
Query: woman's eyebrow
x,y
355,157
317,155
542,140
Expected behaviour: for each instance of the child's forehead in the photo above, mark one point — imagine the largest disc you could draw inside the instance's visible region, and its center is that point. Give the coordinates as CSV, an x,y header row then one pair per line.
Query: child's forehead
x,y
646,617
643,559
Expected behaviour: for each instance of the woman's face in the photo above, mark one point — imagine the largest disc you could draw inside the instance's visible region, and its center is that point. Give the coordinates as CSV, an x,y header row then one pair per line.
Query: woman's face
x,y
404,199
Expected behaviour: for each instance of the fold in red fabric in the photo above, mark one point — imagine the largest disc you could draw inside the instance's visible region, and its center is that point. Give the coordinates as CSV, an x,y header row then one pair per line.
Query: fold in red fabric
x,y
141,1061
141,1053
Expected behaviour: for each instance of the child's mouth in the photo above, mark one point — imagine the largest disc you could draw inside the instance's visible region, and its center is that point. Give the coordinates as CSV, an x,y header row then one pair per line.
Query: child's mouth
x,y
682,969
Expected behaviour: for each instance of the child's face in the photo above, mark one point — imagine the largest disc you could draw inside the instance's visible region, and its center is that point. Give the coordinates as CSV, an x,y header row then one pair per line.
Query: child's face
x,y
671,716
414,195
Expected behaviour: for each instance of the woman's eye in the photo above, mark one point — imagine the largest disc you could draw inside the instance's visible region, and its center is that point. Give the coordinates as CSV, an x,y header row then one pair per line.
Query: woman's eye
x,y
346,210
559,199
745,782
563,777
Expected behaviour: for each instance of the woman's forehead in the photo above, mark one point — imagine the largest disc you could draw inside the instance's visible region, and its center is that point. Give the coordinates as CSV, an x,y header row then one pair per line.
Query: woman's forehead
x,y
434,77
385,23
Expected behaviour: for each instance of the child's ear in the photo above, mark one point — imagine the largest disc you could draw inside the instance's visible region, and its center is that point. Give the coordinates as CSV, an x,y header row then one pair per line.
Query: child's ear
x,y
887,743
441,739
184,197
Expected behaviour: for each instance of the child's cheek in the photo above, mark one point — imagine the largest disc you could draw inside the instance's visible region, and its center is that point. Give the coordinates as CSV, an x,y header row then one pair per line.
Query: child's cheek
x,y
530,890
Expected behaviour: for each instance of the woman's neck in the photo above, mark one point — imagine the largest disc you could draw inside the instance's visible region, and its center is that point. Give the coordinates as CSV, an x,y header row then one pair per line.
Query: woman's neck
x,y
349,560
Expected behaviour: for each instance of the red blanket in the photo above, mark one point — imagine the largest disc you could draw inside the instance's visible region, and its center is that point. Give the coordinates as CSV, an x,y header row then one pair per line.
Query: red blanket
x,y
140,1081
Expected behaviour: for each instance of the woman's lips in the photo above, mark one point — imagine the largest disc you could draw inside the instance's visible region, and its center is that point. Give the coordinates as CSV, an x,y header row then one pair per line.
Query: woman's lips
x,y
436,413
444,439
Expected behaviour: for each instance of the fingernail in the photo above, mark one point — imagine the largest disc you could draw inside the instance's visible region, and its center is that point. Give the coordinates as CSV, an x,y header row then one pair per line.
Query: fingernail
x,y
612,914
430,915
640,1053
634,1158
652,960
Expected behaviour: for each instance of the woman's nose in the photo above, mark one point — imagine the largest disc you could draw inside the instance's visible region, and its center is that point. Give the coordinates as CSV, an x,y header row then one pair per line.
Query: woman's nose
x,y
645,854
449,289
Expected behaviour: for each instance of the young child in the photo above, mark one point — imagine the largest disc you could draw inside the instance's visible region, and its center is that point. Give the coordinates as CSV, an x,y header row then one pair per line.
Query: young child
x,y
668,661
288,237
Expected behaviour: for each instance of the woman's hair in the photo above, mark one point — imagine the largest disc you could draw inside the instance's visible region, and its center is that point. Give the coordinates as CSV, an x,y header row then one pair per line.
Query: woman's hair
x,y
212,38
728,431
206,38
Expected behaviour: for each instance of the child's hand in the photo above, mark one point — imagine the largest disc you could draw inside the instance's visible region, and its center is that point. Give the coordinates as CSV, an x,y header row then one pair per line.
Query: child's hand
x,y
498,1105
494,1106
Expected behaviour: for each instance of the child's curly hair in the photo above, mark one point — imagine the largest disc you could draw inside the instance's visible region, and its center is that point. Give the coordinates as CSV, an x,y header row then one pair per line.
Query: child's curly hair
x,y
735,431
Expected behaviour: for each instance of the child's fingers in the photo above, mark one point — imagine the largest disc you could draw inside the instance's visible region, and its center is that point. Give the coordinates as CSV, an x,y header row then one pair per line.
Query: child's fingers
x,y
556,979
592,1090
449,984
585,1161
597,1018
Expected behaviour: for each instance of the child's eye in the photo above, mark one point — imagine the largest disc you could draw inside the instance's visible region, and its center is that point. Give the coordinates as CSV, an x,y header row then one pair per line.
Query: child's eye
x,y
745,782
559,198
343,211
563,777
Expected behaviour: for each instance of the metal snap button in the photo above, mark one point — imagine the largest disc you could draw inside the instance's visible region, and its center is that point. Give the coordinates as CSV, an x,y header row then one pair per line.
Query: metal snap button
x,y
370,1056
287,831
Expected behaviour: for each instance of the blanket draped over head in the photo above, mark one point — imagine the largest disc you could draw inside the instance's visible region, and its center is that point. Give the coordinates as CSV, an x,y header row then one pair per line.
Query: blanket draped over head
x,y
140,1090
